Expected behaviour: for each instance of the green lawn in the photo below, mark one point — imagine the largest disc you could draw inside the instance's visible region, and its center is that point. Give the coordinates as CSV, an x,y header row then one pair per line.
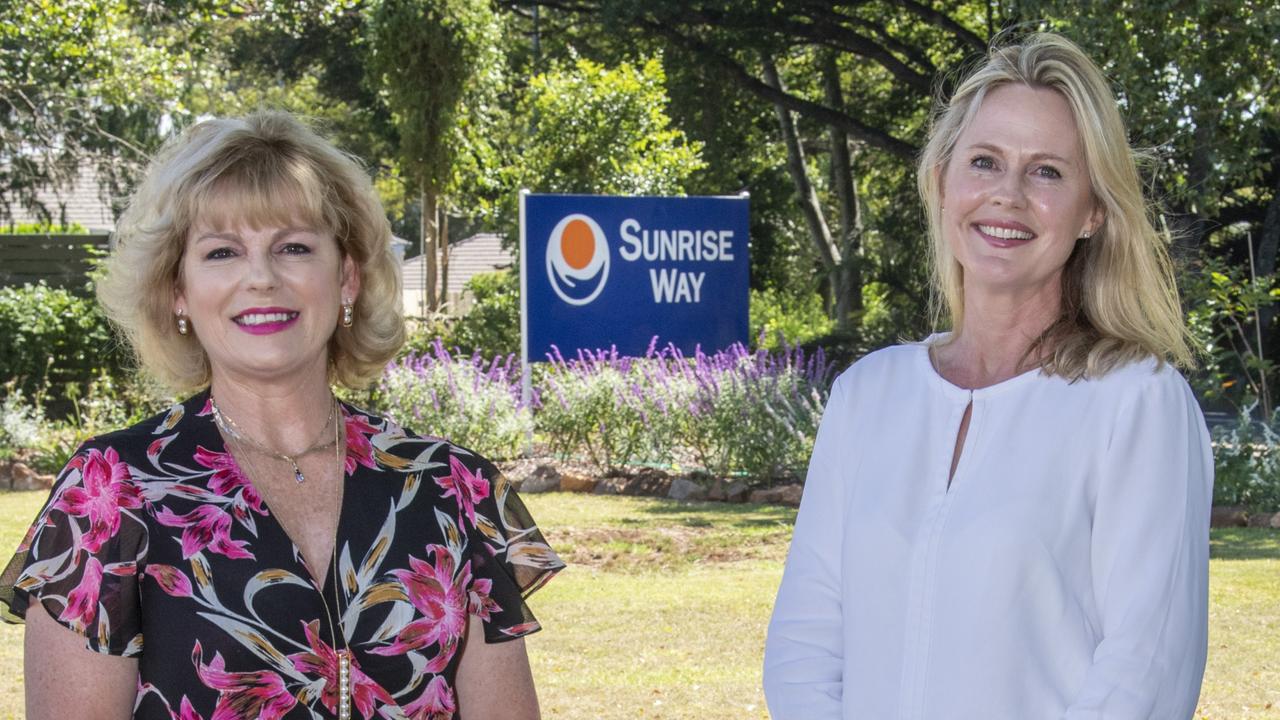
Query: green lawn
x,y
662,613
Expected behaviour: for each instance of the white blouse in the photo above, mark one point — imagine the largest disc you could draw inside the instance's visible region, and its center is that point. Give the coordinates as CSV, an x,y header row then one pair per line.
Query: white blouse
x,y
1063,575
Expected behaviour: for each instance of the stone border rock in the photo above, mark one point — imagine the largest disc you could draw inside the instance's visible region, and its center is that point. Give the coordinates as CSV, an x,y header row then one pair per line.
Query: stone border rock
x,y
1229,516
15,475
537,475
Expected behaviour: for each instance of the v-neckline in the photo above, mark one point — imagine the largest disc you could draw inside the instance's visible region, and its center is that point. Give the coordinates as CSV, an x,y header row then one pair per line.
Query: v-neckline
x,y
299,559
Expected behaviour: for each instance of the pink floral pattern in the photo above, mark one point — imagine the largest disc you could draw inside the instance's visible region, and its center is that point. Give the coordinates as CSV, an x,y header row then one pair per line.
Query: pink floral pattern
x,y
208,526
159,519
227,479
439,595
82,603
467,486
359,447
322,660
257,694
106,489
435,704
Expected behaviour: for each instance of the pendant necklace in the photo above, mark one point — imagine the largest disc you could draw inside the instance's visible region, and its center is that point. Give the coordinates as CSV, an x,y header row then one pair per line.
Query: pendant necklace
x,y
341,650
339,636
229,426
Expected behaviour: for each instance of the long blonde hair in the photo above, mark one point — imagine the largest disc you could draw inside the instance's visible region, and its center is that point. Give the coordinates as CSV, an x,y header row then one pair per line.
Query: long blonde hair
x,y
266,168
1119,299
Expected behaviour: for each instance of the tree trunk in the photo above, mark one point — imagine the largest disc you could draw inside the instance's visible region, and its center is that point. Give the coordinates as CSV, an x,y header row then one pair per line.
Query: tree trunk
x,y
430,233
1199,170
1269,243
848,289
819,232
444,257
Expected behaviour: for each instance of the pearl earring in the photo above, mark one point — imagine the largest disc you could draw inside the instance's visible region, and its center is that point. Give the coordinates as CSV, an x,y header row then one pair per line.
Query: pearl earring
x,y
348,314
183,327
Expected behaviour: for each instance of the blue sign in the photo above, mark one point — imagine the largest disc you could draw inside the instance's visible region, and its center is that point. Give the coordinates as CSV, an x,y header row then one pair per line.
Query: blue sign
x,y
600,271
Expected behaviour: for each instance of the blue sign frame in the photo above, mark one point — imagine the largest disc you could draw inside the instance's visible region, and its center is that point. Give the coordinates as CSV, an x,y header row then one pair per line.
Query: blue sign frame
x,y
606,271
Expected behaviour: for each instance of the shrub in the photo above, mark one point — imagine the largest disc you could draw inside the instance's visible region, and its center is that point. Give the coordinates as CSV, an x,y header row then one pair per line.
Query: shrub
x,y
1247,462
54,344
594,405
466,400
20,424
780,320
44,229
492,325
27,435
754,412
732,411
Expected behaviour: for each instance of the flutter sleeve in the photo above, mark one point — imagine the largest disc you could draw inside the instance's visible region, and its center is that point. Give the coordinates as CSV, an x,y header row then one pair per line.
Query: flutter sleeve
x,y
804,651
510,559
80,557
1150,559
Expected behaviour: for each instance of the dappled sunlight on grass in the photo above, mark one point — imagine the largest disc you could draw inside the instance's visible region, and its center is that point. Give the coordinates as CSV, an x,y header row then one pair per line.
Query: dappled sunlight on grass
x,y
1244,544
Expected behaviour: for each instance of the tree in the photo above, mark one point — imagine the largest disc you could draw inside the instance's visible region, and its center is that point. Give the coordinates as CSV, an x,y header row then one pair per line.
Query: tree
x,y
848,85
603,130
81,82
426,54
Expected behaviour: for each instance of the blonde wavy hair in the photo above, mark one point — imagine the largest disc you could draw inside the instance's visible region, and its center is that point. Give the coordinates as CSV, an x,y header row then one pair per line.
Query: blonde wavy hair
x,y
1119,300
265,169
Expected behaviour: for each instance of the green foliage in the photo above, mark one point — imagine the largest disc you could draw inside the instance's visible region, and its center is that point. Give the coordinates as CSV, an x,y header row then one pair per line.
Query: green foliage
x,y
602,130
1223,309
107,402
426,54
492,325
20,423
780,320
732,412
1247,462
1195,82
595,409
43,229
84,82
54,344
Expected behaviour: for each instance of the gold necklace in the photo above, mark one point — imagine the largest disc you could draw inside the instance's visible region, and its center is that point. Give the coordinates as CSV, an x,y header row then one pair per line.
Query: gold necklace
x,y
229,426
342,653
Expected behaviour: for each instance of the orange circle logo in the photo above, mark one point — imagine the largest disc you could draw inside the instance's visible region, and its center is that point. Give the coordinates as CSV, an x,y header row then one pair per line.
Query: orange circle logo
x,y
577,259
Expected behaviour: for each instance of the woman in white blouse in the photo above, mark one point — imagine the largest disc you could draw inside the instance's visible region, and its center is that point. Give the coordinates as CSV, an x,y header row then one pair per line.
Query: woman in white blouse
x,y
1010,521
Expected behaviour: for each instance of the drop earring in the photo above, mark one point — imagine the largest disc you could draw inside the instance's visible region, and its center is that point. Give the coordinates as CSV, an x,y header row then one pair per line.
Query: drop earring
x,y
348,314
183,327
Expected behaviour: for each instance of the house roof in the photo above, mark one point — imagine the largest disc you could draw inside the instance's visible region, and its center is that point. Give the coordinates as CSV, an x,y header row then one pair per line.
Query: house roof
x,y
468,257
82,204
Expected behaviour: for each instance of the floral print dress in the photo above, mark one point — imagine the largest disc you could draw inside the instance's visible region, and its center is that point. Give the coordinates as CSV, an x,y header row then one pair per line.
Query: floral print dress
x,y
153,544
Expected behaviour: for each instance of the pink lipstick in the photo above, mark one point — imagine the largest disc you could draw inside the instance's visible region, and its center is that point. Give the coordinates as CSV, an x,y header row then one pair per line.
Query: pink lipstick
x,y
266,320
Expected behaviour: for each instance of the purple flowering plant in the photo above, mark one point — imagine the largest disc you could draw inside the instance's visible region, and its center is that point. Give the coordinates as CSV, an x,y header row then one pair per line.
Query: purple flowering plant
x,y
594,407
469,400
734,411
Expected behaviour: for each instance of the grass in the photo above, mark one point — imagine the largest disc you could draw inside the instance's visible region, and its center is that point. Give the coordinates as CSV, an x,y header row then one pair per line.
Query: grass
x,y
663,609
662,612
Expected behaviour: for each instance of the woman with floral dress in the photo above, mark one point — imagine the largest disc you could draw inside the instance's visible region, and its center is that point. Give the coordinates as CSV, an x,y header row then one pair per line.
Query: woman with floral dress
x,y
263,550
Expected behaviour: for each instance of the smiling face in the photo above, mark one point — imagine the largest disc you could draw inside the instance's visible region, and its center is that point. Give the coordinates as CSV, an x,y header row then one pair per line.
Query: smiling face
x,y
1016,193
263,302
